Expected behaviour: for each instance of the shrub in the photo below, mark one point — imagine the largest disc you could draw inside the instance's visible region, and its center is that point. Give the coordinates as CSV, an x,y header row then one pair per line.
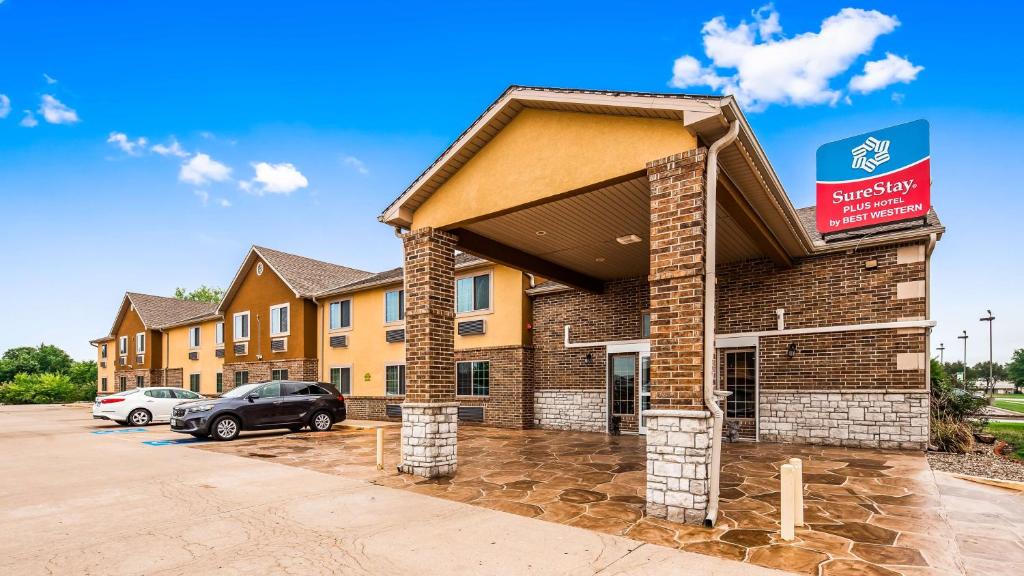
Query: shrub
x,y
43,389
952,436
951,402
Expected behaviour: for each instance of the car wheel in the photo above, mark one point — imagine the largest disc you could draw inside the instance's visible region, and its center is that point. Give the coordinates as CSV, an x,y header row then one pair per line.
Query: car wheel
x,y
295,428
140,417
225,428
321,422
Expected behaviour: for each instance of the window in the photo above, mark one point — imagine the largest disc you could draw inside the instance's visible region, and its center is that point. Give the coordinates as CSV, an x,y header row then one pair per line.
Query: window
x,y
394,306
185,395
220,382
741,380
279,374
103,351
140,381
623,368
162,394
103,384
301,389
340,315
473,293
272,390
122,345
140,343
193,382
342,379
219,334
645,325
122,384
241,326
241,378
279,319
394,377
472,378
193,337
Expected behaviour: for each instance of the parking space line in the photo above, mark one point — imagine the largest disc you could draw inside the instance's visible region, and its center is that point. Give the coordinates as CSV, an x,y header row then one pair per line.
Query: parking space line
x,y
119,431
173,442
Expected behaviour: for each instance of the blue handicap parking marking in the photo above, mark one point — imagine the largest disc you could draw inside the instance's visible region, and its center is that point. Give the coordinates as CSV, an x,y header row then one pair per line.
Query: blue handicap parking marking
x,y
120,431
173,442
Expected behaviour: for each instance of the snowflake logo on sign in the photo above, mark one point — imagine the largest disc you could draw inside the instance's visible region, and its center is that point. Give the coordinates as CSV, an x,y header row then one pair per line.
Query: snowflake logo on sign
x,y
880,149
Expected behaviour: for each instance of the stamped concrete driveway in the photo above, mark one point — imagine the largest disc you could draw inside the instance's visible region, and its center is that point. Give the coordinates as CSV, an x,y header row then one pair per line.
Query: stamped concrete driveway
x,y
74,501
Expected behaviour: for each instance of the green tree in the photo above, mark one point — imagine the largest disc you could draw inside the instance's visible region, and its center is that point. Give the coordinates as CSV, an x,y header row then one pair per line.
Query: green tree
x,y
202,294
1015,369
83,373
938,372
32,360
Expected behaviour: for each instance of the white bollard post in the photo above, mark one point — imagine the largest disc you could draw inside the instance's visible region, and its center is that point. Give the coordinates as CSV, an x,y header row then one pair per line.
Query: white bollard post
x,y
798,492
380,448
786,516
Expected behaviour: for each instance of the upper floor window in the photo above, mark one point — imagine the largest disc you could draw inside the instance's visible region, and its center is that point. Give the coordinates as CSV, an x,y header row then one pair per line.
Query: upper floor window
x,y
140,343
193,337
279,319
241,326
219,333
394,306
340,314
473,293
103,351
122,345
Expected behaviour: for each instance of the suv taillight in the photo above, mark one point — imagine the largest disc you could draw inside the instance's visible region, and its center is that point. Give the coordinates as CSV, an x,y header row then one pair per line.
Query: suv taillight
x,y
111,400
341,398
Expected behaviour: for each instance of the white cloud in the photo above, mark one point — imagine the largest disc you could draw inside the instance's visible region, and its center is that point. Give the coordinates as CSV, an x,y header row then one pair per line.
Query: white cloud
x,y
56,112
281,178
201,169
203,196
28,120
224,203
172,149
5,103
356,164
127,145
770,68
881,73
49,79
898,97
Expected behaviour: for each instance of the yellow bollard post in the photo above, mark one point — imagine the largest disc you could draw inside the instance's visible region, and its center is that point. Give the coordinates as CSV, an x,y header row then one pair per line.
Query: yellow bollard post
x,y
786,516
798,492
380,448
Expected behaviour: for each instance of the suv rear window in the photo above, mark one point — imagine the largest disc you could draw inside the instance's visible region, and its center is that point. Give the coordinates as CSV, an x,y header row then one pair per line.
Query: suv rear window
x,y
302,389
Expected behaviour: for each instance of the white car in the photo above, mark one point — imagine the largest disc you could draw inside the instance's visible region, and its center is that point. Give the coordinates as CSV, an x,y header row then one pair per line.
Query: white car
x,y
141,406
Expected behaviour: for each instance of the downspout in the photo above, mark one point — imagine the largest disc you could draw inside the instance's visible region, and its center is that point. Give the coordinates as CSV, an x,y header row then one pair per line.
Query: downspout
x,y
710,280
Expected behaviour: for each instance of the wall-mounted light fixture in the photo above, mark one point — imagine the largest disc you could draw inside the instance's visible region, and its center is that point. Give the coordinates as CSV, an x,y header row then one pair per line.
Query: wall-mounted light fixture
x,y
791,351
588,360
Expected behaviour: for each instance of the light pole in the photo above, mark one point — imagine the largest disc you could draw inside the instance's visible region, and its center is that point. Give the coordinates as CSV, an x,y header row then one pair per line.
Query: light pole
x,y
942,351
989,319
964,338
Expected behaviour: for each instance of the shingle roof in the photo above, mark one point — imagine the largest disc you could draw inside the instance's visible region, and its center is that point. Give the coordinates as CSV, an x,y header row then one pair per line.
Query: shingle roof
x,y
809,223
160,311
309,277
392,276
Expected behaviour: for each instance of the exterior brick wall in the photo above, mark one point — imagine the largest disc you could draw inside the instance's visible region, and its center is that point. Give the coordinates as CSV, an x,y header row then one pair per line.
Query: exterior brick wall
x,y
371,407
152,378
301,369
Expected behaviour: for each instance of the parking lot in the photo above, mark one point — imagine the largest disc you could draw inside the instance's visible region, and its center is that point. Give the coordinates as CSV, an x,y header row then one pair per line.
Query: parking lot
x,y
79,496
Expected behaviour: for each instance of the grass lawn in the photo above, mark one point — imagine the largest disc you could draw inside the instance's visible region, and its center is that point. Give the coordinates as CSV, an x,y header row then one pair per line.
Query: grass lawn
x,y
1009,396
1011,432
1012,405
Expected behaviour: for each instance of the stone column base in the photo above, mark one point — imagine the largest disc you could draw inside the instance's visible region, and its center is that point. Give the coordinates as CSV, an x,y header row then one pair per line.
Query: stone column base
x,y
429,439
678,463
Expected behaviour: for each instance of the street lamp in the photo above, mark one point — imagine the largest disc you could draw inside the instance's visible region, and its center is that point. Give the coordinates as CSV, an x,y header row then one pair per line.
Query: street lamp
x,y
989,319
942,355
964,338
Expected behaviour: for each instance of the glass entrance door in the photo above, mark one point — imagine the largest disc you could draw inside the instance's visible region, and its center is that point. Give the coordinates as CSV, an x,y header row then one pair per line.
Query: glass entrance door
x,y
645,388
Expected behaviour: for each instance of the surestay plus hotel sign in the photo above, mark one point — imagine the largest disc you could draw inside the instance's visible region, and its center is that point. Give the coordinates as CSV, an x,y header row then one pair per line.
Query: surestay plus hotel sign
x,y
874,178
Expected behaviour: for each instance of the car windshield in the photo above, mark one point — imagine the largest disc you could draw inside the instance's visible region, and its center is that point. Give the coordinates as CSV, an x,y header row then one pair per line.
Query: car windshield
x,y
240,391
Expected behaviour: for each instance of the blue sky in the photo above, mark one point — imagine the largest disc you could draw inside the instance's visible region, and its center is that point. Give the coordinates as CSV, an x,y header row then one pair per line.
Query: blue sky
x,y
342,106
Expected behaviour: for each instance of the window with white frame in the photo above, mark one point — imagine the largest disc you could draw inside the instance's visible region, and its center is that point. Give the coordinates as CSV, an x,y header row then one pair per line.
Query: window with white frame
x,y
473,293
219,333
279,319
394,306
122,346
140,343
103,351
193,337
394,378
240,326
473,378
339,315
341,377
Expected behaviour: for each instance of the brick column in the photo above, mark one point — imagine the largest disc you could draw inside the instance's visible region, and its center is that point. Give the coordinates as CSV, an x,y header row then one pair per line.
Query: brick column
x,y
678,427
429,413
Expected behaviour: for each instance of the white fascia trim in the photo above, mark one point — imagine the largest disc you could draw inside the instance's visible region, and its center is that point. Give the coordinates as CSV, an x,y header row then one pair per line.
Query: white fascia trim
x,y
827,329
